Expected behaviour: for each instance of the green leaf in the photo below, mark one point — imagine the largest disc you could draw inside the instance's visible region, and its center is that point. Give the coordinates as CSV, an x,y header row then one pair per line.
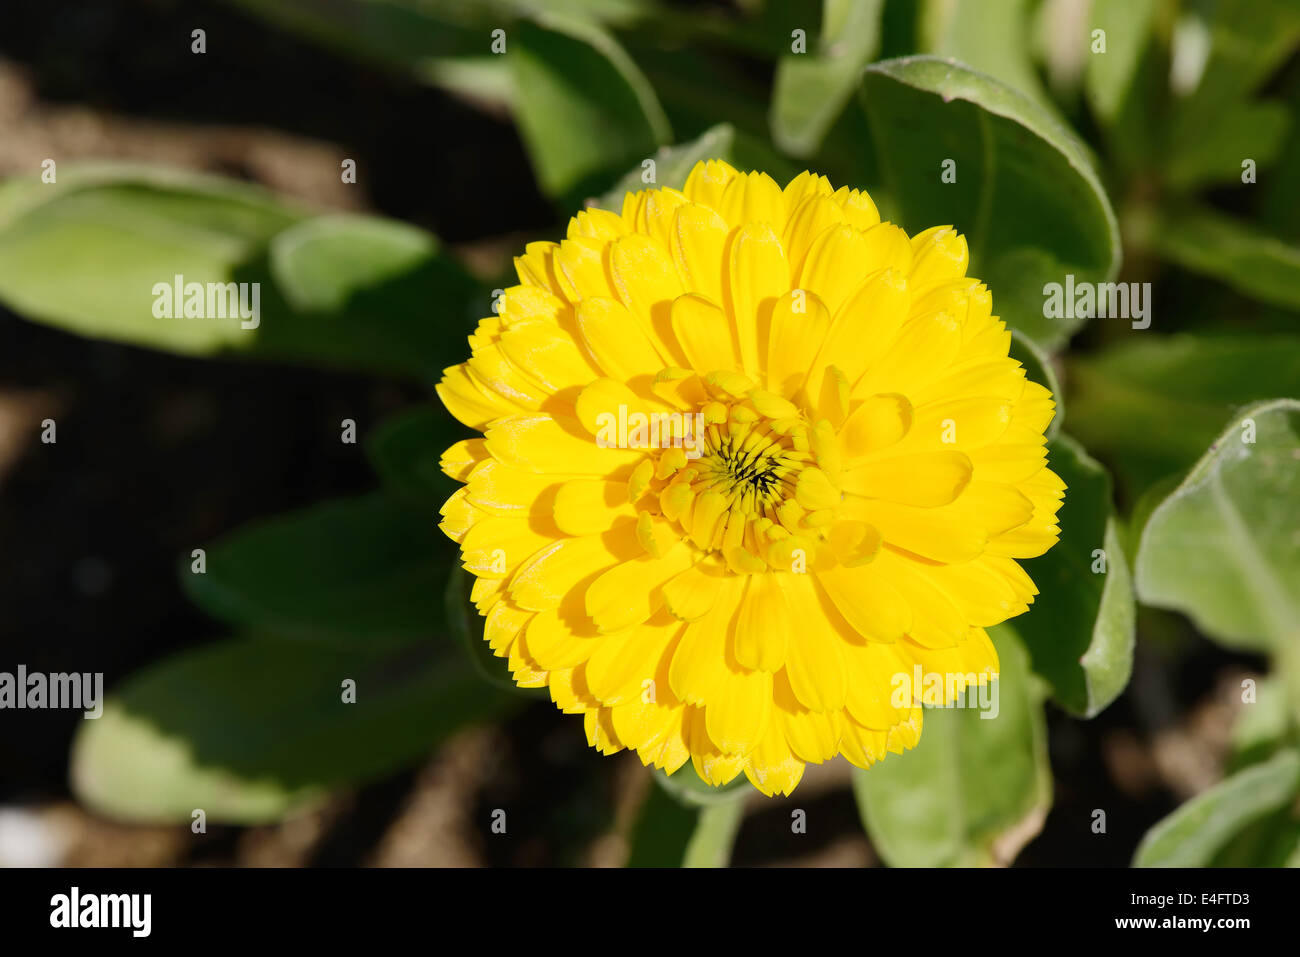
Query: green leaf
x,y
1039,368
583,107
1248,130
250,730
394,33
1193,834
422,36
1248,41
993,38
1152,404
1109,78
1080,629
1271,841
85,255
811,88
975,790
406,449
1222,548
359,572
673,164
1261,725
96,253
1025,195
366,282
697,92
1233,252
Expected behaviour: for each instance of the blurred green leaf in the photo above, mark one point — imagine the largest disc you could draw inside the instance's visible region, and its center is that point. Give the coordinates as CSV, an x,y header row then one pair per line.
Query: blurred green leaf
x,y
975,790
406,449
1109,78
1150,405
360,572
1080,629
85,255
672,165
1248,41
810,89
1261,725
393,33
1279,196
1271,841
1233,252
583,107
432,39
1025,195
359,292
697,91
364,284
1191,836
1255,131
323,262
250,730
993,38
1223,548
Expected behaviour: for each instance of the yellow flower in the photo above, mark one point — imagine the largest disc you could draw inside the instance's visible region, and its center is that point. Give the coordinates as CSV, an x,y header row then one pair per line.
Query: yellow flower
x,y
752,460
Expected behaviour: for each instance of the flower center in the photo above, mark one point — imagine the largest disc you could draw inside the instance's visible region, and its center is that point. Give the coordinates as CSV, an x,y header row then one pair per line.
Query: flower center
x,y
752,467
753,484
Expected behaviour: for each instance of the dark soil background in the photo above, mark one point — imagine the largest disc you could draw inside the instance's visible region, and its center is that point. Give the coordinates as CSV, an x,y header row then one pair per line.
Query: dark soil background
x,y
158,454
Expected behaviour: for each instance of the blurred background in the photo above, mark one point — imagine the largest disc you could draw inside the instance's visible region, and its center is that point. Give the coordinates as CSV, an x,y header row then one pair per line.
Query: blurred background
x,y
158,453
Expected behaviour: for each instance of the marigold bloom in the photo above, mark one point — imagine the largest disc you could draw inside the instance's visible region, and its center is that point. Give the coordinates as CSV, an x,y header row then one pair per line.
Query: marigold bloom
x,y
749,454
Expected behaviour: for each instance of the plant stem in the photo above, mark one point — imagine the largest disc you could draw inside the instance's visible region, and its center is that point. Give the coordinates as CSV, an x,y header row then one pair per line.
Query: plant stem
x,y
710,845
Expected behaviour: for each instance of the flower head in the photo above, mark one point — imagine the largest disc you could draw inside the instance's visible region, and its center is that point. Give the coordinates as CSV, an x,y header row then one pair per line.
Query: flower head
x,y
752,459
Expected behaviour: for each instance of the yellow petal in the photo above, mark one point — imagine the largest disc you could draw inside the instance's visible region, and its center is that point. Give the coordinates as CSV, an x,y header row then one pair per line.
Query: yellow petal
x,y
707,180
924,479
814,659
556,570
586,506
798,326
647,282
616,342
705,334
872,606
539,443
698,243
763,625
758,276
629,593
